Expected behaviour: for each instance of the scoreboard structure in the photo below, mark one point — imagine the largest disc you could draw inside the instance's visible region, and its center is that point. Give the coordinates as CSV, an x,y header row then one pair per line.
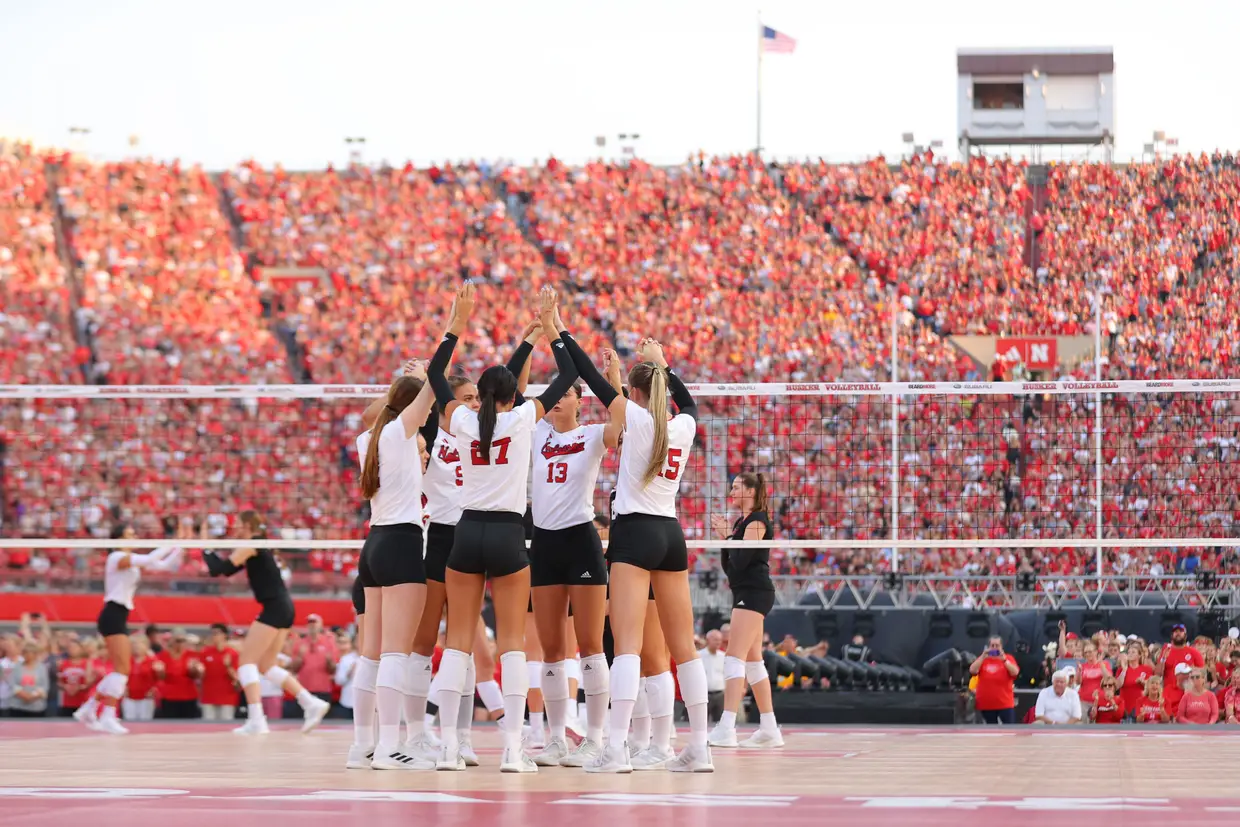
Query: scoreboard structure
x,y
1036,98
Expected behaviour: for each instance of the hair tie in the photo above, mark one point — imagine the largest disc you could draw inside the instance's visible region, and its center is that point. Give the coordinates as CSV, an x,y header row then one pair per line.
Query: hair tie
x,y
393,410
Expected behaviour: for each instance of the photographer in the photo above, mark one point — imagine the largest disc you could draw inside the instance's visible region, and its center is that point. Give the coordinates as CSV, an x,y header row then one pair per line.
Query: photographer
x,y
996,674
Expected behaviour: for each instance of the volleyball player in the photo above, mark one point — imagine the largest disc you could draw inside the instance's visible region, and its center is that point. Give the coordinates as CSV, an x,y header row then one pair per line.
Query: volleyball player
x,y
647,547
362,749
442,486
490,538
567,569
265,638
122,571
753,596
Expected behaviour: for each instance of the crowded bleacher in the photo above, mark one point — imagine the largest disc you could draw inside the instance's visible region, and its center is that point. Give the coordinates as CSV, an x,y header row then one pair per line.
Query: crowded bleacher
x,y
750,271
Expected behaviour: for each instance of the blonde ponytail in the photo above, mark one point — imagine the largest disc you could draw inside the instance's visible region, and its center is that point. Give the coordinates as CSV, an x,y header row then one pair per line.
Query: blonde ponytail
x,y
657,405
370,468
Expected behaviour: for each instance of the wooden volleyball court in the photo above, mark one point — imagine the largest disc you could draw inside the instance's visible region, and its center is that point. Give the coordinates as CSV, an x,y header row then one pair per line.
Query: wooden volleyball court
x,y
56,774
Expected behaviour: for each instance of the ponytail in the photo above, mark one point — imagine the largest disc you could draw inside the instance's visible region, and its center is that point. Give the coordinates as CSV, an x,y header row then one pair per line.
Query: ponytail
x,y
657,405
487,415
756,483
370,468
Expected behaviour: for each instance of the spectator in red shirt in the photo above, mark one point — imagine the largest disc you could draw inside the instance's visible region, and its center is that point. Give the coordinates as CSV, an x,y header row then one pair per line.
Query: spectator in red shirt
x,y
1092,671
1231,700
1151,707
178,692
314,659
1179,652
1108,706
995,695
1132,672
1198,705
219,676
75,676
139,705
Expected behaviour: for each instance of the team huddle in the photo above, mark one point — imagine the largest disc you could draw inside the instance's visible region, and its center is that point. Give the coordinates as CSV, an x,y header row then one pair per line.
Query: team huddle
x,y
449,467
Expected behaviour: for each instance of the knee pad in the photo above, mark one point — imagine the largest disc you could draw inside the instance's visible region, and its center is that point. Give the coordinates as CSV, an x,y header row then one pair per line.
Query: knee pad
x,y
555,681
492,697
661,694
471,682
692,677
572,668
514,674
418,675
595,676
365,678
733,668
534,670
755,672
277,675
392,667
452,671
626,679
247,673
113,685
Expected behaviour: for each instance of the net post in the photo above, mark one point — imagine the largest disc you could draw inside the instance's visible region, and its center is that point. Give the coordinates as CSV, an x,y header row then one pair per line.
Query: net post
x,y
895,433
1098,432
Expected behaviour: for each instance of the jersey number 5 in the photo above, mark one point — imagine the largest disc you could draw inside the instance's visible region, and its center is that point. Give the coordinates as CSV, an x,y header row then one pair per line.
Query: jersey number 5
x,y
476,456
672,471
557,472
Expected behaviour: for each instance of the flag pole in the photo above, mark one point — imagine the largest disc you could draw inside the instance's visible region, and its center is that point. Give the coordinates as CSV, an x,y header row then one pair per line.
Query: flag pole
x,y
758,142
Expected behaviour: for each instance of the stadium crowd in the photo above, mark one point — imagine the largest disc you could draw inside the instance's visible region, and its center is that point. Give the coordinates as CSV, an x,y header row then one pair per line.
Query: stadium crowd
x,y
749,271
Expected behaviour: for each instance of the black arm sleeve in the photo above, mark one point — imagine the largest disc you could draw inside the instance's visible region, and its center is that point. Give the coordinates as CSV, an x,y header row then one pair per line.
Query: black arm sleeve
x,y
680,395
516,364
430,428
563,380
597,383
434,373
219,566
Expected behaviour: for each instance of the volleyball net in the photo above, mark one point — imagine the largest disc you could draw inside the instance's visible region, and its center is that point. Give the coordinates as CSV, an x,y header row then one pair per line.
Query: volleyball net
x,y
1111,478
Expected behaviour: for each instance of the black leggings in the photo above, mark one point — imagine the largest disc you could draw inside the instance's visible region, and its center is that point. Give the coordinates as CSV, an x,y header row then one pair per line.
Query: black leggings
x,y
999,716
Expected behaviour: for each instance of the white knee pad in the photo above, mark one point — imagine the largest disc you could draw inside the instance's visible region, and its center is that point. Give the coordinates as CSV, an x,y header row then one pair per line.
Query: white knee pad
x,y
471,681
555,681
626,678
113,685
572,668
733,668
692,677
365,678
247,674
277,675
595,676
534,669
418,674
661,694
452,670
755,672
514,674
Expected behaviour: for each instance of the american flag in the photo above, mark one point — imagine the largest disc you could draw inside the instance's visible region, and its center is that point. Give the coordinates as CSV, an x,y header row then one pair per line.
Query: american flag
x,y
773,41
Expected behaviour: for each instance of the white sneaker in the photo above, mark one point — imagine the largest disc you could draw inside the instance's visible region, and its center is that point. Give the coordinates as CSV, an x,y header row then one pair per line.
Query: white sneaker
x,y
432,738
692,759
587,752
396,760
636,750
612,759
359,757
419,747
551,755
467,750
576,729
315,713
763,739
516,761
111,726
532,739
86,714
652,758
722,736
253,726
450,760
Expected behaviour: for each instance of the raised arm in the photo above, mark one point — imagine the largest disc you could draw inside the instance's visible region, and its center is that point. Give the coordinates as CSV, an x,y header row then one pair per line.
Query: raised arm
x,y
161,559
519,364
462,309
563,360
413,417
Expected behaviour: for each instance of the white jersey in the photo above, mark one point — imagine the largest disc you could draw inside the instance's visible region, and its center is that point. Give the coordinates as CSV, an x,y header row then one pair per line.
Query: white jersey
x,y
119,585
442,482
565,472
658,498
399,498
498,482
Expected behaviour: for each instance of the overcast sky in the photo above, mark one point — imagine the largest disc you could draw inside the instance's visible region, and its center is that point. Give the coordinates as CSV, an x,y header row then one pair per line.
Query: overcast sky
x,y
287,81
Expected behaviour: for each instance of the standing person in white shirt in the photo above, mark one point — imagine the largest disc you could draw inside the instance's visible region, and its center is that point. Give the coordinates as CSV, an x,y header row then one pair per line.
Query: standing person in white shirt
x,y
346,670
495,444
121,574
712,658
647,548
1057,704
391,567
567,569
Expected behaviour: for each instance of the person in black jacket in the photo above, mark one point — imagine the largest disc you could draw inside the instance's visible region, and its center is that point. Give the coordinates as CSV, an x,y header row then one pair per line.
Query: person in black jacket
x,y
753,596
